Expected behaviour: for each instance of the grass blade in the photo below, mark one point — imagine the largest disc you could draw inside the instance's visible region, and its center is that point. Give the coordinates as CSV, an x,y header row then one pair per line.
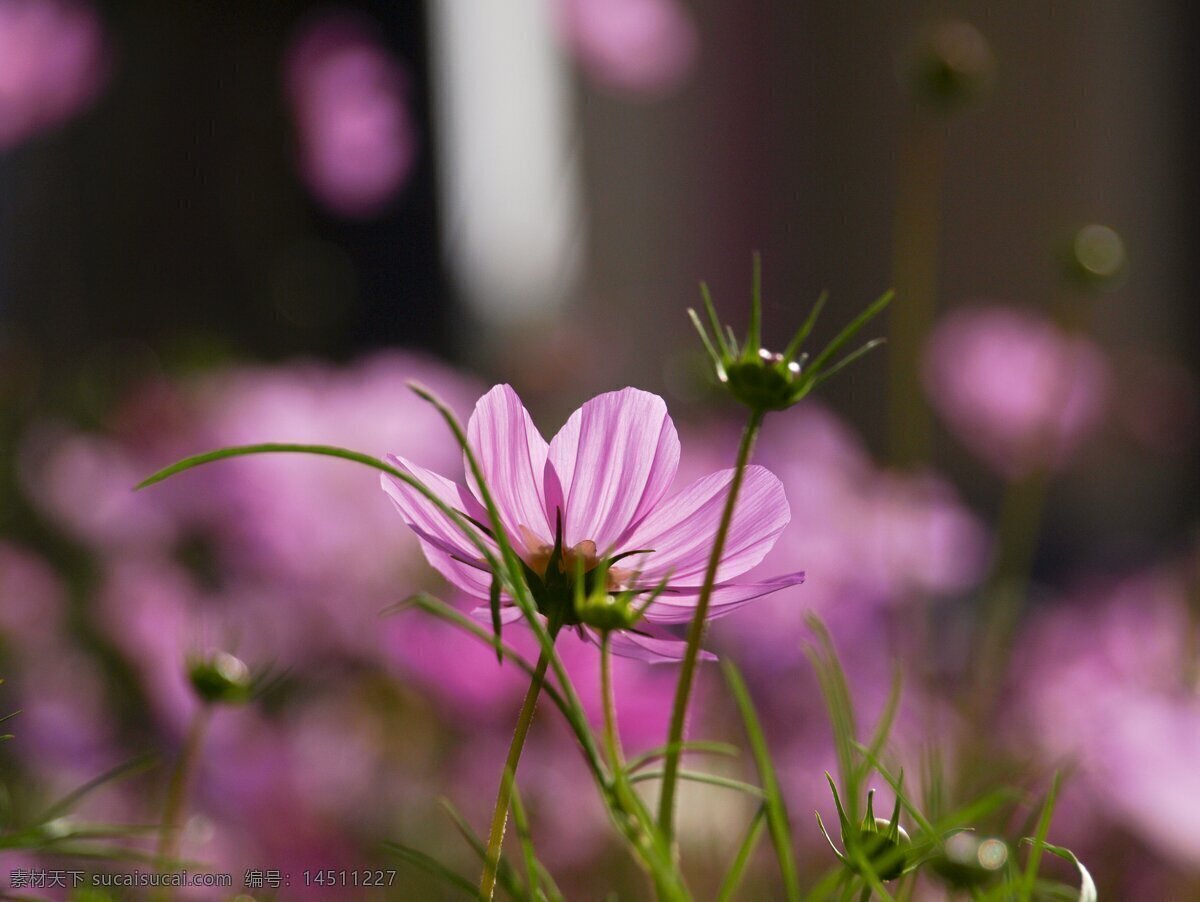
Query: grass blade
x,y
776,809
733,878
433,867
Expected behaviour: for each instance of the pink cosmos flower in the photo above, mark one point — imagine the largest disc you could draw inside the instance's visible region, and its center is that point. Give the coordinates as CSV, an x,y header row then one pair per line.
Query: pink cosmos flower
x,y
350,98
1015,389
640,48
598,491
53,63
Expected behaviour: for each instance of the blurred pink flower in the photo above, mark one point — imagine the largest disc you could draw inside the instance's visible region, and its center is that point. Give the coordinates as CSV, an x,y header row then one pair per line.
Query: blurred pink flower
x,y
349,96
637,47
32,600
868,538
1108,682
1015,389
604,478
53,63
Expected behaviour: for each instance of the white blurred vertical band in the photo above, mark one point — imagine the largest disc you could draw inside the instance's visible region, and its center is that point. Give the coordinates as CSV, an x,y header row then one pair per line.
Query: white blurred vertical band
x,y
510,192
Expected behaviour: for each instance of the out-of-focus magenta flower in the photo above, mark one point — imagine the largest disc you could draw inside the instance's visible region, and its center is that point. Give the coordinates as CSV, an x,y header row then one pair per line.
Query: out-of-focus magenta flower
x,y
1014,389
598,492
870,539
318,521
637,47
1108,682
32,599
53,63
349,96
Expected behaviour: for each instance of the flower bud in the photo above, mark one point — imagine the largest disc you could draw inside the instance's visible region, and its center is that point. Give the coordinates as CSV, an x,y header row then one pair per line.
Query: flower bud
x,y
950,66
878,843
606,612
221,679
765,383
764,380
1094,259
965,861
884,844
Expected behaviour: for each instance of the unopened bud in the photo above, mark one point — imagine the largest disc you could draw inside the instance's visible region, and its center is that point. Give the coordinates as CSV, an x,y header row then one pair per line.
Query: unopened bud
x,y
950,66
221,679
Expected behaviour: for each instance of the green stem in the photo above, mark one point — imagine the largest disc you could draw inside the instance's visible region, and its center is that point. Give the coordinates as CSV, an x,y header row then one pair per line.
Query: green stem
x,y
612,739
1016,543
687,674
170,829
491,862
915,270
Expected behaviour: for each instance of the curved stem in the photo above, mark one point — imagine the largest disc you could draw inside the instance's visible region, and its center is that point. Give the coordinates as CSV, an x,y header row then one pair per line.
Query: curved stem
x,y
687,674
491,861
915,279
612,739
177,791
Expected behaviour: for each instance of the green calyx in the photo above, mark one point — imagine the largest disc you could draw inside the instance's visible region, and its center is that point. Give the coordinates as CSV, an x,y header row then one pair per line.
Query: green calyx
x,y
877,844
577,589
764,380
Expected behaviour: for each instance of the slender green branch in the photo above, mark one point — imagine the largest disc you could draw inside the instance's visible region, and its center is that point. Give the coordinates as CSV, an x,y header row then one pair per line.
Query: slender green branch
x,y
612,738
491,862
470,532
177,791
687,673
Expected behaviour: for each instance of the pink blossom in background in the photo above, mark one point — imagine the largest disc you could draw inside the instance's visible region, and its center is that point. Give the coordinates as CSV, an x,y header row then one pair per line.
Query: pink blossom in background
x,y
317,519
873,542
33,599
605,475
635,47
53,64
868,538
1105,682
350,99
1014,388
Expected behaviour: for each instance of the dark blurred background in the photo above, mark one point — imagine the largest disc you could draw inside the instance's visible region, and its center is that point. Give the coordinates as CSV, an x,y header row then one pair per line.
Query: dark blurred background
x,y
166,222
532,191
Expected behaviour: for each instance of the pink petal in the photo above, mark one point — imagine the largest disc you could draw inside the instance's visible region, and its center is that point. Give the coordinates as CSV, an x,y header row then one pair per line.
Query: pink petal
x,y
444,545
682,529
614,459
677,604
423,515
647,648
512,455
508,614
466,577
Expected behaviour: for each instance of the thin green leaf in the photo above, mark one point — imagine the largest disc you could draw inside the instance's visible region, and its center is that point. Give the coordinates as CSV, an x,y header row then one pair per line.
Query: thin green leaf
x,y
718,329
122,771
883,728
521,823
433,867
510,881
754,335
850,331
1087,886
494,604
847,360
832,679
696,746
458,519
708,346
1039,842
701,777
793,348
777,817
733,878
